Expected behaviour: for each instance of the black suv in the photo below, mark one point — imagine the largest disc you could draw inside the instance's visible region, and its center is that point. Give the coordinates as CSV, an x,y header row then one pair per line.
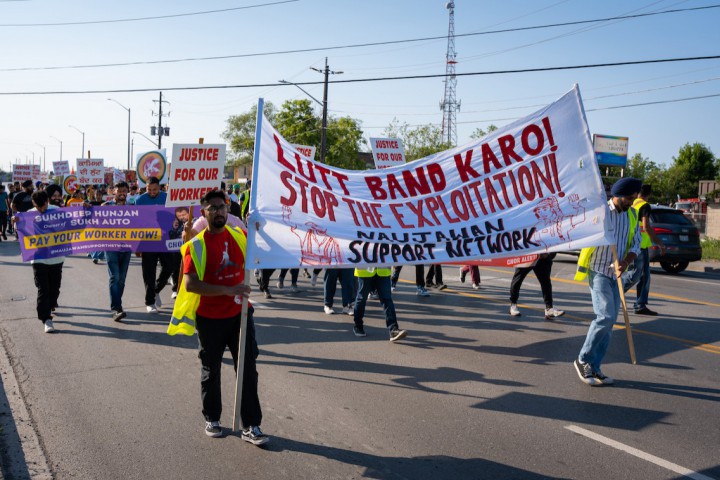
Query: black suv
x,y
680,237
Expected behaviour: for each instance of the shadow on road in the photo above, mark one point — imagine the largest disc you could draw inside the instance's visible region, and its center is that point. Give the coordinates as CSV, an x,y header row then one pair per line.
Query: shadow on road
x,y
574,411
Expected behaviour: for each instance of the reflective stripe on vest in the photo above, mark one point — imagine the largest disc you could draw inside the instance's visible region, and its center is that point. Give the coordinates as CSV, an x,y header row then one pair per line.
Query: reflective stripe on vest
x,y
186,303
583,265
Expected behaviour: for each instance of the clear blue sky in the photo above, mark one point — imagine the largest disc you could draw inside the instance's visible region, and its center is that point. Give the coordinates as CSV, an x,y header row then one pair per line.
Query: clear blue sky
x,y
656,131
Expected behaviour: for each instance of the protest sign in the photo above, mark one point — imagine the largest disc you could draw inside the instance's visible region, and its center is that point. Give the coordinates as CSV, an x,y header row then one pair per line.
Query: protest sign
x,y
305,150
530,187
36,173
118,176
151,164
108,177
61,168
68,231
195,170
131,177
70,184
90,171
22,173
387,152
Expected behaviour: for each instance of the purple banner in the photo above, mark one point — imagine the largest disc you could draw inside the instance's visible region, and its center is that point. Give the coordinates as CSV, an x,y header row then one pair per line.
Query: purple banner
x,y
114,228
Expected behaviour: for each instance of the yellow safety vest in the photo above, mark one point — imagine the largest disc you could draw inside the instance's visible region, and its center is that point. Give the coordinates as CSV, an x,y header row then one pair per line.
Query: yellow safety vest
x,y
186,303
371,272
585,254
645,242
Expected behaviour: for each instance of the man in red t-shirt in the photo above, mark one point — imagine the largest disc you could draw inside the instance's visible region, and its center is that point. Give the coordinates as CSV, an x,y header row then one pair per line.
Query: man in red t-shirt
x,y
218,320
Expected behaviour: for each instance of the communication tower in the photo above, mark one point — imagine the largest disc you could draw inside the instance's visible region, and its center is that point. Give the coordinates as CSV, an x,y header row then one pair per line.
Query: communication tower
x,y
450,105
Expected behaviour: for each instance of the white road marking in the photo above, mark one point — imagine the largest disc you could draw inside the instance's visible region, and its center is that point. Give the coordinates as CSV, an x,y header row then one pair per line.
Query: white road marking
x,y
639,453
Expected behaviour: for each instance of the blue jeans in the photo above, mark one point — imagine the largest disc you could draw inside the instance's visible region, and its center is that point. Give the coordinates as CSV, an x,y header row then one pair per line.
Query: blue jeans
x,y
382,286
606,301
117,263
347,285
639,274
97,255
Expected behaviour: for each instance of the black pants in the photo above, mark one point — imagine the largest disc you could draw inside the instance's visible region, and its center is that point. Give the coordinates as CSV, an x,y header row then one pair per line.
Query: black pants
x,y
419,275
177,267
434,274
149,271
214,335
542,271
264,278
47,281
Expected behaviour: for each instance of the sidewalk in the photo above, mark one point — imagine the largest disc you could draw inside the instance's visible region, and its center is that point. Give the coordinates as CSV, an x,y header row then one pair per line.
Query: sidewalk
x,y
705,266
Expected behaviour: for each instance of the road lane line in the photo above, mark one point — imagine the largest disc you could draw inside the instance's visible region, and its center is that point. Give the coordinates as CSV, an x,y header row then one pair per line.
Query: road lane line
x,y
673,467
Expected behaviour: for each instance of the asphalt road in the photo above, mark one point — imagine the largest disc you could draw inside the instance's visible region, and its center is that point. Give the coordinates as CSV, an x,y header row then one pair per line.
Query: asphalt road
x,y
471,392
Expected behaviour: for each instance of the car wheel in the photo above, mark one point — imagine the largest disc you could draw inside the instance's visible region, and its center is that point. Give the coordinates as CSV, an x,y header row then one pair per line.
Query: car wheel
x,y
674,267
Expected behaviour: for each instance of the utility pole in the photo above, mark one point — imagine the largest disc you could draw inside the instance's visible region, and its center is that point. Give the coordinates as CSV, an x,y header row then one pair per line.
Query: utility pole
x,y
323,137
450,105
160,131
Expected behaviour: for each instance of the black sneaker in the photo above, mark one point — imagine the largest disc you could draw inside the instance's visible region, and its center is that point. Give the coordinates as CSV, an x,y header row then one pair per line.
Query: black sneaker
x,y
441,286
396,334
359,331
213,429
585,372
255,436
602,378
118,316
429,284
645,311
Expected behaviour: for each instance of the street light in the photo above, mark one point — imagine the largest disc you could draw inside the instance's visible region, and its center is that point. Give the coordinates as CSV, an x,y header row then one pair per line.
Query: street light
x,y
82,152
327,73
43,147
303,90
146,138
60,145
128,110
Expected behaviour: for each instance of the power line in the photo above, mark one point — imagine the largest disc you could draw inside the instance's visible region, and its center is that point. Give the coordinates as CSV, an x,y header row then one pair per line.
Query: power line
x,y
615,107
365,80
139,19
341,47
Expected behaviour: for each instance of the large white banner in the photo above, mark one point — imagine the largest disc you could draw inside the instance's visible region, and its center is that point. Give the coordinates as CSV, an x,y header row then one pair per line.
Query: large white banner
x,y
530,187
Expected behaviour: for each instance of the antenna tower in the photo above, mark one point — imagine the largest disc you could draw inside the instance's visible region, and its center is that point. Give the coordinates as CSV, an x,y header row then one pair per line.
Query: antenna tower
x,y
450,105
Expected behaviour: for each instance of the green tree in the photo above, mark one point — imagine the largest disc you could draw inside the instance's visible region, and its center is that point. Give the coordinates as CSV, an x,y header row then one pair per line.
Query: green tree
x,y
240,134
419,142
694,163
479,132
297,123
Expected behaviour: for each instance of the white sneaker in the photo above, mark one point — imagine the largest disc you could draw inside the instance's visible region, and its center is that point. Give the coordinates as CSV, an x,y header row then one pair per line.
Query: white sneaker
x,y
294,289
514,311
348,311
476,286
151,309
313,279
158,302
553,312
174,295
421,292
280,284
49,328
329,310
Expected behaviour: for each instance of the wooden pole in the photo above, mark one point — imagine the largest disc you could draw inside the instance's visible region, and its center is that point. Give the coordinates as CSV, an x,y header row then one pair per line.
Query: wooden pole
x,y
628,329
252,231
